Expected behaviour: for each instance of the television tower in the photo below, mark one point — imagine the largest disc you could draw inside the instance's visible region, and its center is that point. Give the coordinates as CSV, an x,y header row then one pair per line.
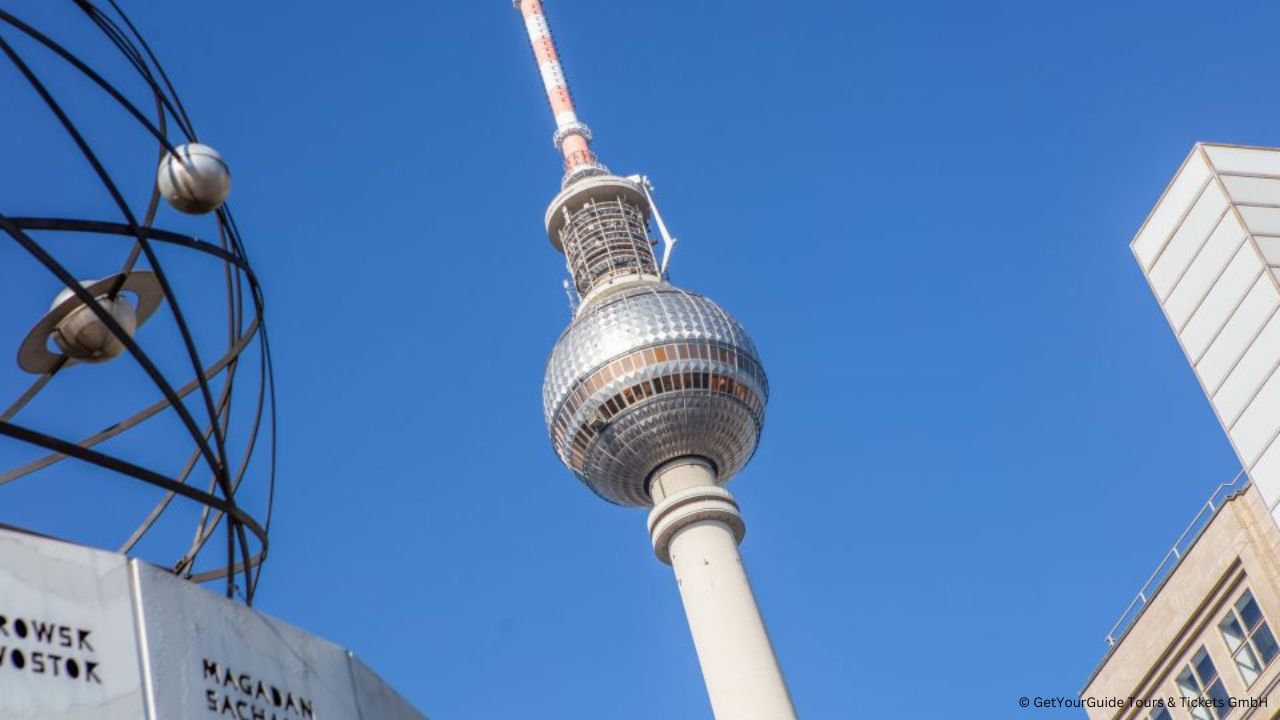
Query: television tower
x,y
654,397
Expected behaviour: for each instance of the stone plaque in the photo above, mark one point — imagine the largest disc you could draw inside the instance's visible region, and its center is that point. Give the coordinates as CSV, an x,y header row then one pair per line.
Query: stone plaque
x,y
92,635
207,657
68,641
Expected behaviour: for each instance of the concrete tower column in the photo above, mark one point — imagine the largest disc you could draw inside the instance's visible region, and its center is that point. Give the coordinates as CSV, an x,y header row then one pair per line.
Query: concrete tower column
x,y
696,527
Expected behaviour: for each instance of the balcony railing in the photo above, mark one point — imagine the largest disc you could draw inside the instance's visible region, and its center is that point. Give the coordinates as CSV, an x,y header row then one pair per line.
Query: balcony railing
x,y
1220,496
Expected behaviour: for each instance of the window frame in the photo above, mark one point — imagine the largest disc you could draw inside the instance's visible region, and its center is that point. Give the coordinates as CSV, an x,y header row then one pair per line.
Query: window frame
x,y
1247,643
1203,687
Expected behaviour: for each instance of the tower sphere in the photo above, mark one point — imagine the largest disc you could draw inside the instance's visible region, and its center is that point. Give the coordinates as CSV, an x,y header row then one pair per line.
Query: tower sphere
x,y
646,375
194,179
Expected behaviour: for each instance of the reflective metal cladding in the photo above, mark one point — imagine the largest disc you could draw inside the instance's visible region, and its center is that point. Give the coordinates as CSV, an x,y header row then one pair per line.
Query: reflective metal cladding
x,y
649,374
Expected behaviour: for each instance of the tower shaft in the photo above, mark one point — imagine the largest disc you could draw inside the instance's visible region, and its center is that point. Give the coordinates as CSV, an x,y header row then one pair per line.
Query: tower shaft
x,y
696,528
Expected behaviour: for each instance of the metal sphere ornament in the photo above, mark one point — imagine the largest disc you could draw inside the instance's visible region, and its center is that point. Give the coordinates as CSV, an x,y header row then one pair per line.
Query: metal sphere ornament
x,y
84,336
194,179
79,332
160,371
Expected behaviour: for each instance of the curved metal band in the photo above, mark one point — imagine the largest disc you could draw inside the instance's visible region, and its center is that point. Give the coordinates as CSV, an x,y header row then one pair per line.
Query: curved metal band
x,y
150,233
136,418
95,77
148,476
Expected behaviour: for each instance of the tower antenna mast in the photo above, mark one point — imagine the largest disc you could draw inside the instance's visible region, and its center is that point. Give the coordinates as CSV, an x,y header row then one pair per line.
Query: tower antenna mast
x,y
572,137
655,397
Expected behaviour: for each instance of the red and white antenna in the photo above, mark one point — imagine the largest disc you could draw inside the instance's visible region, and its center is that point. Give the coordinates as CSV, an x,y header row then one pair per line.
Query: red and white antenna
x,y
573,137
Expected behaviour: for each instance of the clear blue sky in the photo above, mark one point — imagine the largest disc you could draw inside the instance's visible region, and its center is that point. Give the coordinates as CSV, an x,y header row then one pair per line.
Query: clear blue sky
x,y
982,434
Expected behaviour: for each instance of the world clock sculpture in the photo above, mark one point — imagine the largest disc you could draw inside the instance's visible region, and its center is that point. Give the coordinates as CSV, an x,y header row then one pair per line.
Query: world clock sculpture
x,y
655,397
141,418
104,319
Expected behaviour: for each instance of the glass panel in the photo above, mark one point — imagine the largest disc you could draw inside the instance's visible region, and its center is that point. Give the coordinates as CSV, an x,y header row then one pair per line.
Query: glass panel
x,y
1248,663
1232,632
1204,667
1249,611
1221,701
1161,714
1188,684
1265,642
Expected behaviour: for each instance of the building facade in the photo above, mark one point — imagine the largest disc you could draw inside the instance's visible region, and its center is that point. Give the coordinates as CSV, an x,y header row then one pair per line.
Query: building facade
x,y
1200,640
1207,638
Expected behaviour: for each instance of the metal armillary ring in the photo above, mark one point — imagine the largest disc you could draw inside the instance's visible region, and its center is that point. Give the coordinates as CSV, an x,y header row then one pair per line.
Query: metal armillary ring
x,y
96,321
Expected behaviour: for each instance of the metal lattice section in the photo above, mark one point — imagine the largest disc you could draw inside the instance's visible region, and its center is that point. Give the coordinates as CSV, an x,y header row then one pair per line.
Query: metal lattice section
x,y
606,240
224,436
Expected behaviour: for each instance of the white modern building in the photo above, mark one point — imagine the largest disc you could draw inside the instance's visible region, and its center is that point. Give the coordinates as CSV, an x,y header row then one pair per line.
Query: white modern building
x,y
1211,252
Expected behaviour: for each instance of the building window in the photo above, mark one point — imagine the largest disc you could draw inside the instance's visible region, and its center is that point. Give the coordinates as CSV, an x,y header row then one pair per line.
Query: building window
x,y
1160,714
1200,685
1247,634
